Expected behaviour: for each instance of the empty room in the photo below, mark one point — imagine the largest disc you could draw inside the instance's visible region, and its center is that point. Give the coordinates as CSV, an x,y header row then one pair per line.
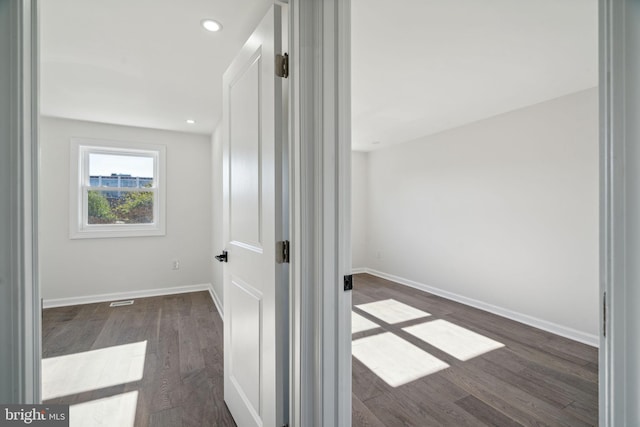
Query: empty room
x,y
475,213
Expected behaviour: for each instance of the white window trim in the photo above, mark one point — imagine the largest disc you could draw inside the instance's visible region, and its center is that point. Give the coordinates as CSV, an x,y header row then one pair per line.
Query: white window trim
x,y
79,175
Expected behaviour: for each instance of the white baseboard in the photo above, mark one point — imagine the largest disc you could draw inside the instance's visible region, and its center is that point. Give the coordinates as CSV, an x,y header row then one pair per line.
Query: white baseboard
x,y
589,339
216,301
91,299
358,270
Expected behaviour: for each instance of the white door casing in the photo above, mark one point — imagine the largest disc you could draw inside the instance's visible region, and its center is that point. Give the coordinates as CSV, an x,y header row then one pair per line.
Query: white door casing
x,y
20,331
320,152
255,343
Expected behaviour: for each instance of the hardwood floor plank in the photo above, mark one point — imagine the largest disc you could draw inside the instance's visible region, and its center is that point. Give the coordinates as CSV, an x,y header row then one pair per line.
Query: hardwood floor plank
x,y
486,413
571,387
509,358
557,385
167,375
556,398
362,416
592,367
495,398
168,418
574,350
365,384
189,346
585,412
440,403
393,410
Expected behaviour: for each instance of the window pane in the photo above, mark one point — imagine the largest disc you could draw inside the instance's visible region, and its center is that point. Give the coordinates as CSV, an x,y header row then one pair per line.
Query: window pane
x,y
120,207
116,170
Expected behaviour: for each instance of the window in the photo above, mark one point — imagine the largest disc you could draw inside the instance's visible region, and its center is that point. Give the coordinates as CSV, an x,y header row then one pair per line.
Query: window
x,y
117,189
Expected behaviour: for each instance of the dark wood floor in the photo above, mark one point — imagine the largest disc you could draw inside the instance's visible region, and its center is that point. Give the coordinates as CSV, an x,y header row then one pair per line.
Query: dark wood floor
x,y
183,371
537,379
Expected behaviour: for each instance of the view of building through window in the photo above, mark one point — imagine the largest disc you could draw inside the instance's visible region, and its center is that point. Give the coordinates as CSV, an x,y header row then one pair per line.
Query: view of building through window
x,y
116,193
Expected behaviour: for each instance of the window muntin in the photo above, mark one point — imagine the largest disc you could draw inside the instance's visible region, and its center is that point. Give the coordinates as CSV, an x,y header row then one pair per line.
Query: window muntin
x,y
119,189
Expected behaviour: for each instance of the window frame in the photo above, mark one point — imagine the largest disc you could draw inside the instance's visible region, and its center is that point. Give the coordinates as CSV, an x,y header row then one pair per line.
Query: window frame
x,y
81,149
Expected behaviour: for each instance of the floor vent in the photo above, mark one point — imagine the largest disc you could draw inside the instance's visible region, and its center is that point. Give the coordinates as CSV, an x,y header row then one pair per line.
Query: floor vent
x,y
121,303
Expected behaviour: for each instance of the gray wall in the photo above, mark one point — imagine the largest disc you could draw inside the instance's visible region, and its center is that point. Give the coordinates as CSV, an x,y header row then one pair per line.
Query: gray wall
x,y
359,208
86,267
503,211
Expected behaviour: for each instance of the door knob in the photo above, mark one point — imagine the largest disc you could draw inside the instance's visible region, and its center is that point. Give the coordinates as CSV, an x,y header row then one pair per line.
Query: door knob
x,y
222,257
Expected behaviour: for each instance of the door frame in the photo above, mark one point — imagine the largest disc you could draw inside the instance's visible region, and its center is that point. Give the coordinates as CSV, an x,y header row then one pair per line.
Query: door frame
x,y
23,308
320,165
619,196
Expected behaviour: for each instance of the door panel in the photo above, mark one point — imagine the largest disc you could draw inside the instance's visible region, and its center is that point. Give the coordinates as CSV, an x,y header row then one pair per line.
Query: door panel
x,y
245,333
255,343
244,105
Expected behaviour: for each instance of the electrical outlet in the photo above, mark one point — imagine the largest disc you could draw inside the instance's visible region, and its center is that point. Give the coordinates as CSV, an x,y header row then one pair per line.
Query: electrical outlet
x,y
175,265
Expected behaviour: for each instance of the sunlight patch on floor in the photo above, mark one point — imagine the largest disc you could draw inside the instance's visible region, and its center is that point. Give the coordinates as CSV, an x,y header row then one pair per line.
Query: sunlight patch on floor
x,y
92,370
118,410
395,360
360,323
459,342
392,311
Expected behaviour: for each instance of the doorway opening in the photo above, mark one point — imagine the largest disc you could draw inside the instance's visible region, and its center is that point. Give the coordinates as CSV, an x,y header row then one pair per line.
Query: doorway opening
x,y
141,84
475,212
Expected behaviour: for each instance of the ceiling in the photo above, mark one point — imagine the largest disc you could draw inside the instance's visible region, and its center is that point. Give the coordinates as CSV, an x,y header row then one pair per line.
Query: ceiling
x,y
418,66
146,63
424,66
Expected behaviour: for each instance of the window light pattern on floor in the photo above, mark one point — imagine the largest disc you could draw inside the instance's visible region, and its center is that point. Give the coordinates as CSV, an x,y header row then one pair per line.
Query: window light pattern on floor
x,y
92,370
360,323
118,410
459,342
392,311
395,360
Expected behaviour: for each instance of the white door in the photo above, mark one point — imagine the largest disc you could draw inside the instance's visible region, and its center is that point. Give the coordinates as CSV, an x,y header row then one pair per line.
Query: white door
x,y
255,302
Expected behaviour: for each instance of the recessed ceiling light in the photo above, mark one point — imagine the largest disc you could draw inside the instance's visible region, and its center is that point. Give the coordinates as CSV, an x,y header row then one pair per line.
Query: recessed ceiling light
x,y
211,25
191,121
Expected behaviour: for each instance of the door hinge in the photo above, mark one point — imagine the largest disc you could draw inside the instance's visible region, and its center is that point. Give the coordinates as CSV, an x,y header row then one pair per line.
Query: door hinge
x,y
282,252
282,65
604,314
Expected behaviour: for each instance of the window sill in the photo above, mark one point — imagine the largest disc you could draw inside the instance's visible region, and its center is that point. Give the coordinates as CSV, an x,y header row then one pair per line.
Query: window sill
x,y
118,232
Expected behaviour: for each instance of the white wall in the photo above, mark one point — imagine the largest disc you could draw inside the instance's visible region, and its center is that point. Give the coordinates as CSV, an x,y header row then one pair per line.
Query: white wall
x,y
85,267
359,208
503,211
216,217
